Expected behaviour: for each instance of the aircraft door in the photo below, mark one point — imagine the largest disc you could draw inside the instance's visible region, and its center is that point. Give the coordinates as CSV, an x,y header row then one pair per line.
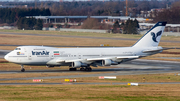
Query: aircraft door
x,y
29,56
101,54
79,56
51,56
24,49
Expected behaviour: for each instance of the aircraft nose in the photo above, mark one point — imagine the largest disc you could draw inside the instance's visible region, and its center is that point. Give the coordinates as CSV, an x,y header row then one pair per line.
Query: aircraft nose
x,y
6,57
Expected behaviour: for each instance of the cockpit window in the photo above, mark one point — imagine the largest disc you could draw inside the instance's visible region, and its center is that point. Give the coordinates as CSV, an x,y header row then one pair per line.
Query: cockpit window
x,y
18,49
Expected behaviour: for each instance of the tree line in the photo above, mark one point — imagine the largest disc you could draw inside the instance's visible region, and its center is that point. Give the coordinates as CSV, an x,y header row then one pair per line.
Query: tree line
x,y
97,8
29,24
171,15
14,15
130,27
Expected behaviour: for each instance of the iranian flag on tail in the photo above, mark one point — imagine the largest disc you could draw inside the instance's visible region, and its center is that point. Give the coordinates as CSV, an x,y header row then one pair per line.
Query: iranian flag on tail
x,y
56,52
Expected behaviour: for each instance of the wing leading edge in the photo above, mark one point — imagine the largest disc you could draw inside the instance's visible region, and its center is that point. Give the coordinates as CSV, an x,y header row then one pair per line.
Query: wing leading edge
x,y
97,59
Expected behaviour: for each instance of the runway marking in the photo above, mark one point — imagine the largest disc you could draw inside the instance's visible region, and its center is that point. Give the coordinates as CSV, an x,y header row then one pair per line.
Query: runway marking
x,y
139,63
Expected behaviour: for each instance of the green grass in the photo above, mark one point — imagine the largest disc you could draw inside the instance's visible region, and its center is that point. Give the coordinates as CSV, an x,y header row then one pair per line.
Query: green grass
x,y
90,92
87,34
75,33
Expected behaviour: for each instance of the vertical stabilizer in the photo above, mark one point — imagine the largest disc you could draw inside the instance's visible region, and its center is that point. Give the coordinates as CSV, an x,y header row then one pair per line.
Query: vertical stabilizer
x,y
152,37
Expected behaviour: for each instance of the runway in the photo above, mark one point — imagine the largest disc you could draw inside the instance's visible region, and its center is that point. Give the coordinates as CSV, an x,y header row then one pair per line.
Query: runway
x,y
135,67
3,53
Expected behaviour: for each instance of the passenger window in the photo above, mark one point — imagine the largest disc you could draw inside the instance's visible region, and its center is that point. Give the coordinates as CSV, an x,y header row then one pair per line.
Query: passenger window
x,y
18,49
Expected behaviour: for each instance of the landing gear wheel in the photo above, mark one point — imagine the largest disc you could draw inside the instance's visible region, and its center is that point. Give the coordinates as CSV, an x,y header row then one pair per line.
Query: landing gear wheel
x,y
72,69
88,69
22,70
82,69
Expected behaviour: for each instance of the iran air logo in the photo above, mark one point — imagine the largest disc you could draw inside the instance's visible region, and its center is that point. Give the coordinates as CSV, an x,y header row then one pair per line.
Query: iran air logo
x,y
154,36
40,53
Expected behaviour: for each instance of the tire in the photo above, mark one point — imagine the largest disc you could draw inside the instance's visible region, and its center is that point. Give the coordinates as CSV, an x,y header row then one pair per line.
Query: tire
x,y
72,69
23,70
82,69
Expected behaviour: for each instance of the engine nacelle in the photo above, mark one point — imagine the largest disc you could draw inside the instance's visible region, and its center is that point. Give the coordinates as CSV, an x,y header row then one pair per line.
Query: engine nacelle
x,y
108,62
78,64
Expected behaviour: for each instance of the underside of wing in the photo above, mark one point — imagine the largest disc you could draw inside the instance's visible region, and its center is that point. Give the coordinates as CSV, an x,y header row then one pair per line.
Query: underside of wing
x,y
101,61
112,58
90,60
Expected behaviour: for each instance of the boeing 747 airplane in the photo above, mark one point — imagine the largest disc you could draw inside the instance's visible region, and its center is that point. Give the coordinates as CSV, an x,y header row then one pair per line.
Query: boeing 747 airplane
x,y
83,58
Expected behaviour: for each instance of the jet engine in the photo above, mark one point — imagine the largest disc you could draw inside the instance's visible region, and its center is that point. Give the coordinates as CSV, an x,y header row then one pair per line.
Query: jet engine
x,y
108,62
78,64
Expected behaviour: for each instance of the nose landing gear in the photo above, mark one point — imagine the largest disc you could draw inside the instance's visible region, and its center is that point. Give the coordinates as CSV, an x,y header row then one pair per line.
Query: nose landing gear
x,y
22,68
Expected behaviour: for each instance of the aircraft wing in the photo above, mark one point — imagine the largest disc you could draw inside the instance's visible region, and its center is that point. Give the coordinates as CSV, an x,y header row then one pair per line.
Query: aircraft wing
x,y
98,59
120,57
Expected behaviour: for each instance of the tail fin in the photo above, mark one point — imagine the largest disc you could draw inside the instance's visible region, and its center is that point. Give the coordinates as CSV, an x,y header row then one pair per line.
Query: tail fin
x,y
152,37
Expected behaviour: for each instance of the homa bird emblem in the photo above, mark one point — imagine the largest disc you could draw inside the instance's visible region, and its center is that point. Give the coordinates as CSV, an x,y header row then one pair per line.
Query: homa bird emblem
x,y
154,36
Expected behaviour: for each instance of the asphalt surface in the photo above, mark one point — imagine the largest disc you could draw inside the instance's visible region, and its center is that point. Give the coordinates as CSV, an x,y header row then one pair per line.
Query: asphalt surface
x,y
3,53
135,67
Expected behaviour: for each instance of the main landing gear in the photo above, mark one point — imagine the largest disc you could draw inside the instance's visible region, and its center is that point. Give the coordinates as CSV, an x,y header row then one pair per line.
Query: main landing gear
x,y
22,68
86,69
81,69
72,69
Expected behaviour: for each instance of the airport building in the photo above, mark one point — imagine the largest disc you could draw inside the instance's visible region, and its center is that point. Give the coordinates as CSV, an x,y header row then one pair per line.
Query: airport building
x,y
67,19
71,20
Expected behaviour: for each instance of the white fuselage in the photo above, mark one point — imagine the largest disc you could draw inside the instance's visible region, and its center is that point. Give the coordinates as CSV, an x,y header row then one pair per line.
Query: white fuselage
x,y
40,55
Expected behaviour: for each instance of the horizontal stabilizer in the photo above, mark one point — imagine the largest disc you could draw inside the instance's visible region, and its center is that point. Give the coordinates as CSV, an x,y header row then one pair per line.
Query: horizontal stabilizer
x,y
156,50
